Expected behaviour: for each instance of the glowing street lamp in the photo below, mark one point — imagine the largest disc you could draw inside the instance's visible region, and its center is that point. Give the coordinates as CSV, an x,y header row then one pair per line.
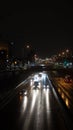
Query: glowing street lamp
x,y
59,55
67,50
27,46
63,53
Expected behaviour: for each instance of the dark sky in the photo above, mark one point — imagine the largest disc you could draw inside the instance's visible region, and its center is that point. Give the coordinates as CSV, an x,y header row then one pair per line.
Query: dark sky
x,y
47,29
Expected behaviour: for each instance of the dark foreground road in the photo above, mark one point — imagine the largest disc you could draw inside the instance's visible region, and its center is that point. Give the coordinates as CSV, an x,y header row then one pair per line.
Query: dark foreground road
x,y
39,110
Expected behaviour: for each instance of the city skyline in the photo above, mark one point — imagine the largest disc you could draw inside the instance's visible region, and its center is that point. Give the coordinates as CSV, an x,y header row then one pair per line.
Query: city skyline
x,y
48,30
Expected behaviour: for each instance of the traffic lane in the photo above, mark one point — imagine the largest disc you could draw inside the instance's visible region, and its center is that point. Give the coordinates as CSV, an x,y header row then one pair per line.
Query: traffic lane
x,y
40,110
66,91
61,80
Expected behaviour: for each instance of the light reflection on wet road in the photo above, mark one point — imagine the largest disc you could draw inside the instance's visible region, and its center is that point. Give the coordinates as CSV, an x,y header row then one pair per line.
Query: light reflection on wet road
x,y
40,110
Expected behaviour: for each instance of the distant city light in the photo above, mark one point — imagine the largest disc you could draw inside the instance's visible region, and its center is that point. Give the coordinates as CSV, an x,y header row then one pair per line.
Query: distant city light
x,y
59,54
28,46
7,60
15,62
12,43
67,50
63,53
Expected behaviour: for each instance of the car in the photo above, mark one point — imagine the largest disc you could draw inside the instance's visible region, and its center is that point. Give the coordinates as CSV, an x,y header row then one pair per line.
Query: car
x,y
36,83
68,79
23,92
36,80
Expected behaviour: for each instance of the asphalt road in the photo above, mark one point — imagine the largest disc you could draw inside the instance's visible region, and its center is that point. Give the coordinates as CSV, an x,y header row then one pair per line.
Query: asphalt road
x,y
40,109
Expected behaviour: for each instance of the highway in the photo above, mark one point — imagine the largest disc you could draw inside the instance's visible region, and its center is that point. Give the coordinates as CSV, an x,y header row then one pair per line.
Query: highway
x,y
38,109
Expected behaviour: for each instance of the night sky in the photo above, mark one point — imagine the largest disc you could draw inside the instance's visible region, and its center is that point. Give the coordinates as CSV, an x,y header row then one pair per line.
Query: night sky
x,y
47,29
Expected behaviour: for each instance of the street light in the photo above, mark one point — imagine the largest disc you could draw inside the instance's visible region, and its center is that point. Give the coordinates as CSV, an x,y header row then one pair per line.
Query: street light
x,y
59,55
63,53
27,46
67,50
27,50
67,53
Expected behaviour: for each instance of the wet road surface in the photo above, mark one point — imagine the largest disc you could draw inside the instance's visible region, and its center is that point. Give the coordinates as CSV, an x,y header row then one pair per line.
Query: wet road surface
x,y
39,110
